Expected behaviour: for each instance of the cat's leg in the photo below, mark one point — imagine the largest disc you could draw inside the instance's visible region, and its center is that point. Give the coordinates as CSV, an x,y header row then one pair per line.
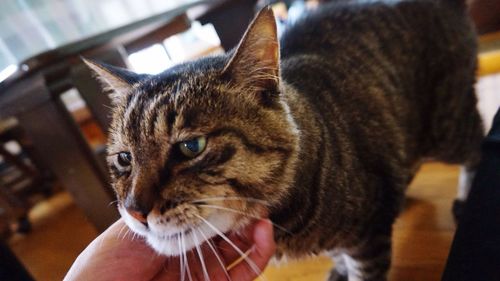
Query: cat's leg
x,y
339,272
457,131
370,261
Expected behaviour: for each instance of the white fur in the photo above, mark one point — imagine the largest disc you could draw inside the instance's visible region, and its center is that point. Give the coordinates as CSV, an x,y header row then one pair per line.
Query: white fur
x,y
345,265
340,264
164,237
353,272
464,182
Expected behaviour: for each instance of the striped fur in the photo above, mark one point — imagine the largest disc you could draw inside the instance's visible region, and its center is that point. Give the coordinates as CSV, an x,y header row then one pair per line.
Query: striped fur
x,y
328,133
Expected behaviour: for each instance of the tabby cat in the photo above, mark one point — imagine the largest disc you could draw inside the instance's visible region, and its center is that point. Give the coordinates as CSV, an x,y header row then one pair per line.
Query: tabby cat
x,y
321,130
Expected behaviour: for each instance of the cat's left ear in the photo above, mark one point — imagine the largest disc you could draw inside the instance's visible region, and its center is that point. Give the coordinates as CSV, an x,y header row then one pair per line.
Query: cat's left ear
x,y
255,62
118,80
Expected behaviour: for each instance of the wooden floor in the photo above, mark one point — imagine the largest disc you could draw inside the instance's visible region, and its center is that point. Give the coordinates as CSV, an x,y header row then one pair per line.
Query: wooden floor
x,y
422,235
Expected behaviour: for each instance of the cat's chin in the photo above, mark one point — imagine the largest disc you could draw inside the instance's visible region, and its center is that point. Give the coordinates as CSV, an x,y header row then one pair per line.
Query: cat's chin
x,y
177,244
171,241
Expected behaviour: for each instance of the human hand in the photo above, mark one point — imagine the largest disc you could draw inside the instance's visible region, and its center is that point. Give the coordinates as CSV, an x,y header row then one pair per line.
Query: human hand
x,y
117,255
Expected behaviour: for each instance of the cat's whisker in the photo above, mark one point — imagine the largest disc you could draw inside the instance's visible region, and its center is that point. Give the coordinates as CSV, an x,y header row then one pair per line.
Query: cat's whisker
x,y
132,234
219,259
200,256
113,202
247,215
127,232
182,252
102,241
186,260
108,107
99,245
248,199
181,259
121,230
249,261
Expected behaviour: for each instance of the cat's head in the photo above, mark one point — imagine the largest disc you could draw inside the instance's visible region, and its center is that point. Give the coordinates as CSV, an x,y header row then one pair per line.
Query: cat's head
x,y
203,147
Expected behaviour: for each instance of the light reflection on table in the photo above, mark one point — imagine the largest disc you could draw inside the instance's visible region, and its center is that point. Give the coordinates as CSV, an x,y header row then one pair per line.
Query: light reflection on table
x,y
30,27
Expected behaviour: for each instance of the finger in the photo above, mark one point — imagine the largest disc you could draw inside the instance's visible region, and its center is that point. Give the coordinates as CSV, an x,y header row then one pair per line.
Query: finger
x,y
136,257
243,240
213,263
212,268
263,249
199,264
126,258
170,271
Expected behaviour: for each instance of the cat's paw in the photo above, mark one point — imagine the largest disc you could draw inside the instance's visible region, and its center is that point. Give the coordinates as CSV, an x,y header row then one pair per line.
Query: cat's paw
x,y
336,276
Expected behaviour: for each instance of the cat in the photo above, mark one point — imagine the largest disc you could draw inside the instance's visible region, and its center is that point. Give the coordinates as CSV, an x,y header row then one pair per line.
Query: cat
x,y
321,130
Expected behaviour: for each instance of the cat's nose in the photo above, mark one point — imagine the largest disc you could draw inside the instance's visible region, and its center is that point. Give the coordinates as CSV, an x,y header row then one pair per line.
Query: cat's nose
x,y
137,209
139,205
138,215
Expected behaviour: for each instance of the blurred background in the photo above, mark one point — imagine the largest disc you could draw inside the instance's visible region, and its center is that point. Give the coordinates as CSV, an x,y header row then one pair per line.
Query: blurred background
x,y
54,188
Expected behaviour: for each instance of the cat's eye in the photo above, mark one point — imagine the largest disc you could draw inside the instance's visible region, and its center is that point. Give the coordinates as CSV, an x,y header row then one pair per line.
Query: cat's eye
x,y
192,148
123,161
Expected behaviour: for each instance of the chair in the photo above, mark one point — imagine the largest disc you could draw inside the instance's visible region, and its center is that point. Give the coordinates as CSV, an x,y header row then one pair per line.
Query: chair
x,y
22,175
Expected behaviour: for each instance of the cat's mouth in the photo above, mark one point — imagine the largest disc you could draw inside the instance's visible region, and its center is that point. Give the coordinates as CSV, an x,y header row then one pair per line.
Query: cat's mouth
x,y
171,240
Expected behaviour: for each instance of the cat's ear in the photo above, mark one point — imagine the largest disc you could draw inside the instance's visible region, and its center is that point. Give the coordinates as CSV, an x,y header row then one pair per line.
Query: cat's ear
x,y
256,59
118,81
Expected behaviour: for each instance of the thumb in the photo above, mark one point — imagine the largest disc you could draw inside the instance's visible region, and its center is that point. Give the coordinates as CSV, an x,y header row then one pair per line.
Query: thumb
x,y
260,254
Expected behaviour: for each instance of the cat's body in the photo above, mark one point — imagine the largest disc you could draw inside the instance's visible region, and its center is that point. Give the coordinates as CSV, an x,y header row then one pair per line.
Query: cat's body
x,y
383,90
377,89
366,92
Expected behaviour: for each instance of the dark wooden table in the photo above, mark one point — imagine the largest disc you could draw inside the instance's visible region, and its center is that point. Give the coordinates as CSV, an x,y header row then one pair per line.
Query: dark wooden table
x,y
32,96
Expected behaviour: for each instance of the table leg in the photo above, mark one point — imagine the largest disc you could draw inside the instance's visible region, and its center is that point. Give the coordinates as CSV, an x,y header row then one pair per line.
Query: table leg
x,y
70,158
230,29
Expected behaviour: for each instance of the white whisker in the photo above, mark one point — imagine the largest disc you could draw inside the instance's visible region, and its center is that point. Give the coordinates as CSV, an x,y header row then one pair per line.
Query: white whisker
x,y
216,254
113,202
186,261
181,260
131,233
121,230
249,261
200,255
248,199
